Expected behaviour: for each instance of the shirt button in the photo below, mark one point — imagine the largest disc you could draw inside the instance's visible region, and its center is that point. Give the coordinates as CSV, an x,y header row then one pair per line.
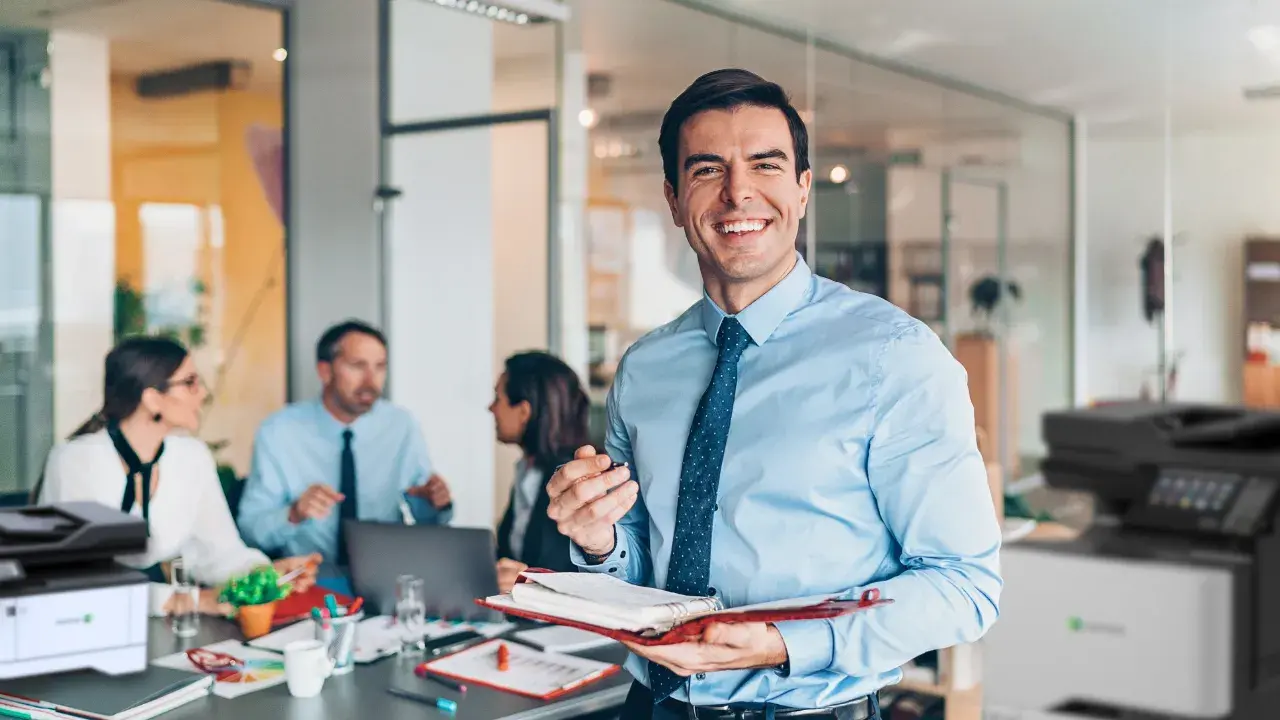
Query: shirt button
x,y
711,592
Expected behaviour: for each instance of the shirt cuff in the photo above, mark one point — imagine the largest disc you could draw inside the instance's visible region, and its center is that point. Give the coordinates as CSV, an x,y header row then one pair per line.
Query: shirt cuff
x,y
614,564
284,534
810,645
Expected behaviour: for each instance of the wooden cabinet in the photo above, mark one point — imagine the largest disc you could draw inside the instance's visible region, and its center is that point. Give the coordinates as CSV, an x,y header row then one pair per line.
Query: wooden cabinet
x,y
980,356
1260,380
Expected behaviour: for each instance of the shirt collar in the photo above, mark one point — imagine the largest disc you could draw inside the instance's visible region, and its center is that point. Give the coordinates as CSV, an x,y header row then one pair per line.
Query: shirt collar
x,y
330,424
763,316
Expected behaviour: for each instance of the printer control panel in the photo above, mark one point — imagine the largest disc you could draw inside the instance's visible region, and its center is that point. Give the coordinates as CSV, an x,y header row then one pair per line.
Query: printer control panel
x,y
1207,501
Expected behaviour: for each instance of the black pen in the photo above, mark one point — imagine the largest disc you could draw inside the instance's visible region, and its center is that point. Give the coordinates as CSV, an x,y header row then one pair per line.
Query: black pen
x,y
427,675
444,704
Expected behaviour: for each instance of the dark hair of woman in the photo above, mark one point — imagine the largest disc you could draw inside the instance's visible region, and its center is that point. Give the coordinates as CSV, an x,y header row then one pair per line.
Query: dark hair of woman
x,y
133,366
558,423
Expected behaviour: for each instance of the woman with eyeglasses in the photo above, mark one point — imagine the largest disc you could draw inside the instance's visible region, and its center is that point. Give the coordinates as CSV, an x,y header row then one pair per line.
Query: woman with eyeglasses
x,y
539,406
135,454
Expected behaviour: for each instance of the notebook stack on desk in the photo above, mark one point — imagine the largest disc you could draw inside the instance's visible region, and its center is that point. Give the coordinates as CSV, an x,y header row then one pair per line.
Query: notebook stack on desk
x,y
88,694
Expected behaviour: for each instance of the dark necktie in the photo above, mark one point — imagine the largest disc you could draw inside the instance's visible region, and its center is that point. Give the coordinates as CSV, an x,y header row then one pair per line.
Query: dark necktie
x,y
347,487
689,570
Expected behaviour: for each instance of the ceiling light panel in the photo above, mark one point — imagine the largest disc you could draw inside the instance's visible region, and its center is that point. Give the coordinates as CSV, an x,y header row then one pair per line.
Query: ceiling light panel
x,y
516,12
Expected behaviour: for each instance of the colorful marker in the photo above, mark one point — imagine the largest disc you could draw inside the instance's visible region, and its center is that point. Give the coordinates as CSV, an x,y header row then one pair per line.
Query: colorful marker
x,y
504,658
444,704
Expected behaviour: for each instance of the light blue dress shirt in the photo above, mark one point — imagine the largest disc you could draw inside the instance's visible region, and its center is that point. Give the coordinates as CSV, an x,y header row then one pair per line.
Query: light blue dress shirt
x,y
302,445
851,463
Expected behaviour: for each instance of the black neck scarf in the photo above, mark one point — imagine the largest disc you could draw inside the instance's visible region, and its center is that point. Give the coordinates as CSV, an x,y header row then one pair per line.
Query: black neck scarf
x,y
135,468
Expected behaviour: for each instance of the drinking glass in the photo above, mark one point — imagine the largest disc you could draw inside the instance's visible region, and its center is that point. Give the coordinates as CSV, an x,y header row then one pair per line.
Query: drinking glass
x,y
411,610
184,609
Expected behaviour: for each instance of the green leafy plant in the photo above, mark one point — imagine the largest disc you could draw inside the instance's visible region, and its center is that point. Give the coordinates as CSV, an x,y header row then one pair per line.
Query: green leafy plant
x,y
986,294
131,316
258,587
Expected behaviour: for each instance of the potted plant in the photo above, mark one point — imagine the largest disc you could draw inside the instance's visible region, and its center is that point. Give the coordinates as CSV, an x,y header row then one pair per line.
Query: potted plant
x,y
979,352
254,596
985,295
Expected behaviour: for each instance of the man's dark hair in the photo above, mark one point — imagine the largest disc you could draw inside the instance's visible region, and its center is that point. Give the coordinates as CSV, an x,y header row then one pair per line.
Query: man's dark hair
x,y
724,90
327,347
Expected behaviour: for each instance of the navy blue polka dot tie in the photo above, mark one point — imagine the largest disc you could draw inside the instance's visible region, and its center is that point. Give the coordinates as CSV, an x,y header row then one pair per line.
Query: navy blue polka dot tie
x,y
689,570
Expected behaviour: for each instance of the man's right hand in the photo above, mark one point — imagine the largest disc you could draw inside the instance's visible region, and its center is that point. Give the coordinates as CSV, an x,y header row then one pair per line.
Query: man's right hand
x,y
582,505
314,504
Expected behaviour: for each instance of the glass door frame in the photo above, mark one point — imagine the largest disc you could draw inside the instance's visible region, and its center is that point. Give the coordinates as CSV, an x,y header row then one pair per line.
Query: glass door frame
x,y
385,192
1003,320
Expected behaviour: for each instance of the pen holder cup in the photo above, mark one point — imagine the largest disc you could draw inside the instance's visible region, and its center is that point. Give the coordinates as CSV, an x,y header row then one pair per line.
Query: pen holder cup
x,y
340,640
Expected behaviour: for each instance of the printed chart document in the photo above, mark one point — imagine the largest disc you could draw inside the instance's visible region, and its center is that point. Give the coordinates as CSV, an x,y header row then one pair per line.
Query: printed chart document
x,y
529,672
236,669
614,608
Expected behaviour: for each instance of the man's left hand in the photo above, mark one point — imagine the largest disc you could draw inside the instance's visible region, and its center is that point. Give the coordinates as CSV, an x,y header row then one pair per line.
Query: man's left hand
x,y
435,491
738,646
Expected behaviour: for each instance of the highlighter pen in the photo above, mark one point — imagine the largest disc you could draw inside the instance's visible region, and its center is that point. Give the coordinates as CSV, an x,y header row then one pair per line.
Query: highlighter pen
x,y
444,704
6,712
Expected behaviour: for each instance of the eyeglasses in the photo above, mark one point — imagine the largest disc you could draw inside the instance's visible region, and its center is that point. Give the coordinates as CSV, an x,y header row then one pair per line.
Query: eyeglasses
x,y
191,382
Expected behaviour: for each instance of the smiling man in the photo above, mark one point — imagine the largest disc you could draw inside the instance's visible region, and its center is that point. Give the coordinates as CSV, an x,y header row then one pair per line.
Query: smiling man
x,y
789,437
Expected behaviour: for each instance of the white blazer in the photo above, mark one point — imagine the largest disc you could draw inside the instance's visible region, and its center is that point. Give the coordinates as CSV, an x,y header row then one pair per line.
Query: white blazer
x,y
188,512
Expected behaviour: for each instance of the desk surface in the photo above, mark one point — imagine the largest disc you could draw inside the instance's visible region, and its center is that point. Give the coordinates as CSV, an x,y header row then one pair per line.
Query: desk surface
x,y
362,693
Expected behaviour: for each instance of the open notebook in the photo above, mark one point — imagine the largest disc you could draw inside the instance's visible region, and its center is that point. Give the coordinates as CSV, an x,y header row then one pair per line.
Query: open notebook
x,y
649,616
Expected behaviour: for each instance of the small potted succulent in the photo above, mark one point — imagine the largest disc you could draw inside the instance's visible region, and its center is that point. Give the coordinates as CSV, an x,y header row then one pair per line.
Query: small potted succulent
x,y
254,597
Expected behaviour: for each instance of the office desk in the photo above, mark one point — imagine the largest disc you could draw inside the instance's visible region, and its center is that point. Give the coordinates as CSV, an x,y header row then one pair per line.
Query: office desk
x,y
362,694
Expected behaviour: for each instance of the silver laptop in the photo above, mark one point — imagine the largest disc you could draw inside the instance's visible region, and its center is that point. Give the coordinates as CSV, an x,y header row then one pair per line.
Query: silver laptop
x,y
457,565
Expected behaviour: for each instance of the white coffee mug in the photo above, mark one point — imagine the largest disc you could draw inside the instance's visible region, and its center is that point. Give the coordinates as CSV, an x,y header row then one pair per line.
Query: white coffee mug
x,y
306,665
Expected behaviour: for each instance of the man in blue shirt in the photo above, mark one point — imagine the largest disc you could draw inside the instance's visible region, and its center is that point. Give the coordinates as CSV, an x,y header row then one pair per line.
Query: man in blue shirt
x,y
851,461
348,454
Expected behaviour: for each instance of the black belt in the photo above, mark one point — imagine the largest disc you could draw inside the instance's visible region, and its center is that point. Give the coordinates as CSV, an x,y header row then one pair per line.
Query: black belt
x,y
864,708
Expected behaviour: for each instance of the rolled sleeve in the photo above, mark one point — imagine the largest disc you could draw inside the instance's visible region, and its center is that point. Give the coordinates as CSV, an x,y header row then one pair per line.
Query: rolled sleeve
x,y
810,645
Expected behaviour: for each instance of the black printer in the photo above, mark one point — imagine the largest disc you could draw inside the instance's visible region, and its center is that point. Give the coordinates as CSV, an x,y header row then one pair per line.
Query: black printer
x,y
1169,604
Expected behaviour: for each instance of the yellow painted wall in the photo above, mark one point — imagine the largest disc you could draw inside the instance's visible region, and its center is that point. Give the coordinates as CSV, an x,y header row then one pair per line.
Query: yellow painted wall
x,y
192,150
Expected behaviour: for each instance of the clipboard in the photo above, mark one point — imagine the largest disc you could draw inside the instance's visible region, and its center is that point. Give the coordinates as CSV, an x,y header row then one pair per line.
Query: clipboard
x,y
531,673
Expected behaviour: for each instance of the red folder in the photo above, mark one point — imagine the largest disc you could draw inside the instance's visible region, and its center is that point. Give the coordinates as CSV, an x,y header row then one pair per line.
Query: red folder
x,y
693,628
297,606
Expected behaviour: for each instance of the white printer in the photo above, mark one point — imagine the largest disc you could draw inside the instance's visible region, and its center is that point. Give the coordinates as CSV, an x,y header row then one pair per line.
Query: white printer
x,y
1168,606
65,604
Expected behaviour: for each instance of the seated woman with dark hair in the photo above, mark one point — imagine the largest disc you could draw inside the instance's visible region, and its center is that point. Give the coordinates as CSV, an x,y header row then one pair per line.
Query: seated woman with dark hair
x,y
538,405
131,455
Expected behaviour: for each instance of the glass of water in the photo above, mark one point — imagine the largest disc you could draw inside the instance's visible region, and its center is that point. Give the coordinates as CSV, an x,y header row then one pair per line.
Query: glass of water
x,y
411,610
184,605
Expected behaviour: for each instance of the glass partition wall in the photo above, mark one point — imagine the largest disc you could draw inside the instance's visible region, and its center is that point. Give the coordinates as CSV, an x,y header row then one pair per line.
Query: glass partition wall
x,y
471,157
141,186
953,205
